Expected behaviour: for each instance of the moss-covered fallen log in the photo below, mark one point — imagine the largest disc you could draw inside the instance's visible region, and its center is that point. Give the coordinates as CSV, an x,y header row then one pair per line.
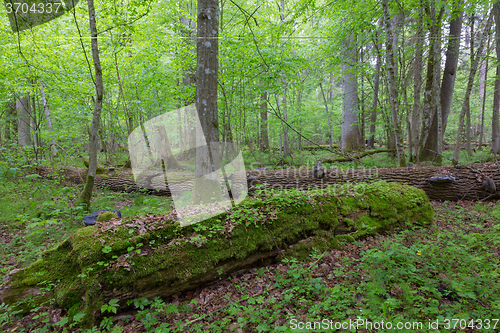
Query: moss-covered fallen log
x,y
153,256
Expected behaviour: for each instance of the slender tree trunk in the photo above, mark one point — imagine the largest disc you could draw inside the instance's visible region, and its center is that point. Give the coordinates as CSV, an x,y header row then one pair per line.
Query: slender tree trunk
x,y
429,135
417,73
393,97
46,111
96,118
9,113
206,187
362,106
128,114
376,84
351,138
286,148
447,84
495,137
468,147
482,90
466,103
327,117
23,108
450,66
11,123
264,137
437,96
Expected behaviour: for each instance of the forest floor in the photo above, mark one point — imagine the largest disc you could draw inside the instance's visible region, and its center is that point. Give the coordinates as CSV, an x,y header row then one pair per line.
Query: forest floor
x,y
448,272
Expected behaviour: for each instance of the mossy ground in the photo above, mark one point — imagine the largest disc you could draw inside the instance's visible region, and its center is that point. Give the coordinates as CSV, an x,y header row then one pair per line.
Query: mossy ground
x,y
154,255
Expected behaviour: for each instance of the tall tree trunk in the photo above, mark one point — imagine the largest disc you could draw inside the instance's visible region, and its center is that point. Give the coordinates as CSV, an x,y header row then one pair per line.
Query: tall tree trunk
x,y
495,137
466,102
482,89
128,114
351,138
188,78
286,147
417,73
376,84
86,194
11,123
23,108
264,137
362,105
7,121
447,84
330,142
437,96
450,66
206,186
393,97
46,111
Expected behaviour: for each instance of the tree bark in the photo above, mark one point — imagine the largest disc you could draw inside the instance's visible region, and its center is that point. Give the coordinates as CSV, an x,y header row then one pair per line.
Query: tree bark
x,y
86,194
23,108
376,83
264,137
482,90
393,96
466,102
330,141
207,187
466,186
447,86
495,137
450,66
46,111
11,122
417,73
351,138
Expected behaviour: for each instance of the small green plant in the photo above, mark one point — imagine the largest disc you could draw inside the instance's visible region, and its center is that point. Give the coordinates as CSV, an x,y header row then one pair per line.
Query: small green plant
x,y
112,306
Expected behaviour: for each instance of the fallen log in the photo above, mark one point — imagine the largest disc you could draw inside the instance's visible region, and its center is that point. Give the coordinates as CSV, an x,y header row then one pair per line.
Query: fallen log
x,y
464,183
153,256
467,183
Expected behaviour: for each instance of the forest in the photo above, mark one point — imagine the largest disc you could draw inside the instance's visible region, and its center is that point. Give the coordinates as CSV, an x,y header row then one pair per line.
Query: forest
x,y
246,166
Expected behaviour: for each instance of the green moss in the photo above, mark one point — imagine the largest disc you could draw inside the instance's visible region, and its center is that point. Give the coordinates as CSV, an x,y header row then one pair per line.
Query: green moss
x,y
167,256
106,216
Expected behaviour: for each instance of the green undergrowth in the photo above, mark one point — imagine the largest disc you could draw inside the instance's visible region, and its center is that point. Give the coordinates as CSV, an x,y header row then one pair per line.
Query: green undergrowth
x,y
38,212
153,255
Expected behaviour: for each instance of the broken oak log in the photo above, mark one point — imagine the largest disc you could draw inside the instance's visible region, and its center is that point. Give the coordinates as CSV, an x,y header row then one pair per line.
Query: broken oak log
x,y
153,256
464,183
467,184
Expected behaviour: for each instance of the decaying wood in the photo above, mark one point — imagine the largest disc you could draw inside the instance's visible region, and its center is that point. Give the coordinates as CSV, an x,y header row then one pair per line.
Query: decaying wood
x,y
168,259
467,184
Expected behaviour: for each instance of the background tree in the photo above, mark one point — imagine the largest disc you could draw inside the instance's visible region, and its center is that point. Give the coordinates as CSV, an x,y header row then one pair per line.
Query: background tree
x,y
207,187
99,89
